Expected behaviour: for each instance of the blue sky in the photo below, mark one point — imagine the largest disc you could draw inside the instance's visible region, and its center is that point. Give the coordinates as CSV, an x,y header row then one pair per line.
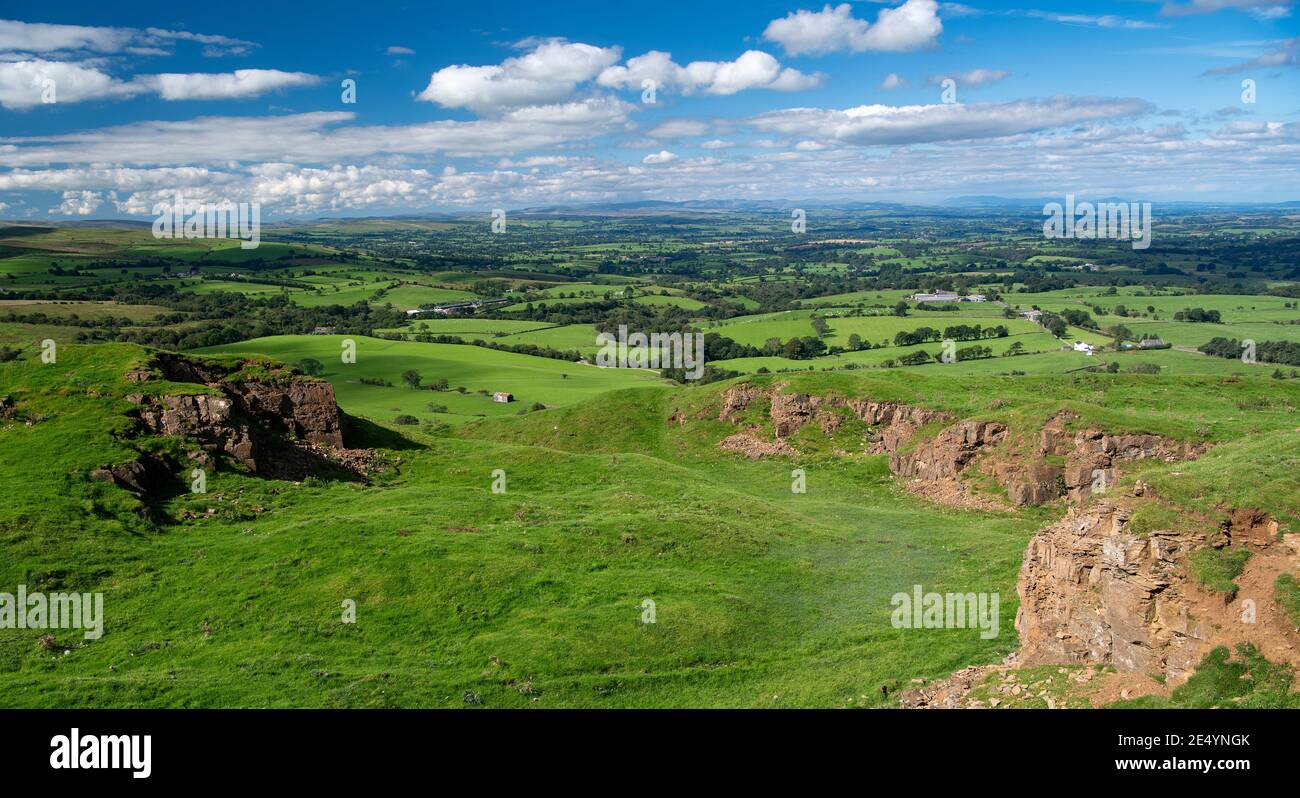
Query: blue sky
x,y
106,110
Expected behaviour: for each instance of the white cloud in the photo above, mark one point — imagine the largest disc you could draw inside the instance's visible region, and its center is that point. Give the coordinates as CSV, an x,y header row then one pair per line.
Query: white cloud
x,y
717,144
913,124
213,45
892,81
24,84
397,49
79,203
1102,21
224,85
754,69
108,178
39,37
1263,153
318,137
910,26
548,74
663,156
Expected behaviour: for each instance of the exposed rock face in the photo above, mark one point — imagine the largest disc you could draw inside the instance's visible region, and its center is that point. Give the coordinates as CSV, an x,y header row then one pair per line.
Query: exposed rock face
x,y
945,455
1090,456
1029,483
285,428
306,410
789,413
141,477
302,407
1093,591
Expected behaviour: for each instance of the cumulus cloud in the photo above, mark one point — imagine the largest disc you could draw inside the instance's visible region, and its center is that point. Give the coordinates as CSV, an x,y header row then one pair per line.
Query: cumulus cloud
x,y
913,124
910,26
224,85
79,203
548,74
975,77
1166,155
717,144
663,156
24,84
754,69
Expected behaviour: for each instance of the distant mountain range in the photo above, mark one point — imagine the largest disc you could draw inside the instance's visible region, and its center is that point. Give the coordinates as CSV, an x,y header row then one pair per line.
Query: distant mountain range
x,y
700,208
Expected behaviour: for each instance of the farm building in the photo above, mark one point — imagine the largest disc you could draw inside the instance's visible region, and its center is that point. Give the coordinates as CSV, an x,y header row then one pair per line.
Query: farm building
x,y
940,296
503,397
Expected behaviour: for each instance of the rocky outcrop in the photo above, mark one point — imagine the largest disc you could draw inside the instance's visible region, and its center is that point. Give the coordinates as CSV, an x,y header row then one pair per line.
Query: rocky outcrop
x,y
1067,463
944,456
143,476
305,409
893,423
1092,455
1091,590
282,426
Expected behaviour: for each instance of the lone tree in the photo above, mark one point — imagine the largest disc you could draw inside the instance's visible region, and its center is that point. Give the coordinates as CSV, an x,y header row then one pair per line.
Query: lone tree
x,y
411,377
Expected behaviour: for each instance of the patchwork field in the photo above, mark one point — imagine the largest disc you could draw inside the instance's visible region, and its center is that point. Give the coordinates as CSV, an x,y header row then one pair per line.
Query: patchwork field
x,y
473,368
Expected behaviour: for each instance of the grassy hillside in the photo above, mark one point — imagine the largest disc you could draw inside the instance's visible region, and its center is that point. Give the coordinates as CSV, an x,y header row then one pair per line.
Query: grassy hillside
x,y
532,597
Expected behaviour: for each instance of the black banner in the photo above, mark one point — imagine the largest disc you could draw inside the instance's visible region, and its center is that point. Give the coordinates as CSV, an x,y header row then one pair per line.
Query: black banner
x,y
325,746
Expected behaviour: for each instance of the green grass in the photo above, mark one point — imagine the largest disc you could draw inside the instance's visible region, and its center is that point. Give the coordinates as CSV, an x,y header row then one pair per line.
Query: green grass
x,y
1214,569
1243,678
1287,589
534,597
475,368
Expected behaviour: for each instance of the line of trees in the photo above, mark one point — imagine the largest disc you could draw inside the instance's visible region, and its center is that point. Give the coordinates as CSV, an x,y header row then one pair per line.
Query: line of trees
x,y
1285,352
